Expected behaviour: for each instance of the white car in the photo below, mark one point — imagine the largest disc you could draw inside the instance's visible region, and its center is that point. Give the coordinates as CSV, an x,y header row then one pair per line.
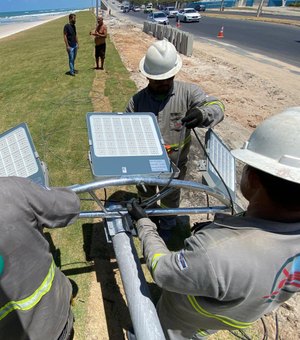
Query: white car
x,y
158,17
171,12
188,15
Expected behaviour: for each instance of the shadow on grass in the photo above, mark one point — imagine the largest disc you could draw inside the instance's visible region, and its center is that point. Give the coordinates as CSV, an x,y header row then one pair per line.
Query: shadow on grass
x,y
97,249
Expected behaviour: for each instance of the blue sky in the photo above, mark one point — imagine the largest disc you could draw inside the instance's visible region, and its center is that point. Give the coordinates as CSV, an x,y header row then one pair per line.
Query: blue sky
x,y
23,5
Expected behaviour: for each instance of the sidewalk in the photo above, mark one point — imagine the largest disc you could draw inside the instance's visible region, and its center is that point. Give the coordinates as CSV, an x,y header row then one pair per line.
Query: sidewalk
x,y
289,11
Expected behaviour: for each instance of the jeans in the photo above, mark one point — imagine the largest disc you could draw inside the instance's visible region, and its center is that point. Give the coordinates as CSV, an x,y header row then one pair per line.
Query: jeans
x,y
72,52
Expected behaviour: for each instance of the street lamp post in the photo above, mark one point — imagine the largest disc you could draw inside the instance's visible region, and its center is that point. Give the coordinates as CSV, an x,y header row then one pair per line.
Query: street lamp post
x,y
97,8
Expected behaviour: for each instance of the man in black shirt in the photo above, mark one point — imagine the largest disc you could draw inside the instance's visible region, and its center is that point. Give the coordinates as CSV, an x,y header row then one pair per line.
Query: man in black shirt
x,y
71,41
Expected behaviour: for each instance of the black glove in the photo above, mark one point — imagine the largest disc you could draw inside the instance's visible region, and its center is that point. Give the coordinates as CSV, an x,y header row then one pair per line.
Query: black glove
x,y
135,210
194,117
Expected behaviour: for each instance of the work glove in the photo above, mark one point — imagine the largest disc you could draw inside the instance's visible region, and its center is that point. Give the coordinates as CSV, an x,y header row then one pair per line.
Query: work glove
x,y
194,117
135,210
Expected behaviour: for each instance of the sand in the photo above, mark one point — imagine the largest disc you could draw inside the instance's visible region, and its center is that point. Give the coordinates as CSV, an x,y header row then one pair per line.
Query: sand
x,y
10,29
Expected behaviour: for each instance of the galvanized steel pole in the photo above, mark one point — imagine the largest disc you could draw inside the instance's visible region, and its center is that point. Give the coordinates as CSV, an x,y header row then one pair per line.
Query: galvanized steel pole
x,y
142,310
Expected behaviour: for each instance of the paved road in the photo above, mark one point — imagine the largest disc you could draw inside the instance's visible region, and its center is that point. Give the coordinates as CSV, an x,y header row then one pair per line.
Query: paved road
x,y
277,41
281,42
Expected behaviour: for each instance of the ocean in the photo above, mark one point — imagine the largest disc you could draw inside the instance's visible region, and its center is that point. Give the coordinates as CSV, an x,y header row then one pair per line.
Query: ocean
x,y
32,16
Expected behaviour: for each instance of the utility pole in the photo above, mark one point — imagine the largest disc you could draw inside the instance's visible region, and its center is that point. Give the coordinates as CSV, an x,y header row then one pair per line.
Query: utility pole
x,y
222,5
259,9
97,9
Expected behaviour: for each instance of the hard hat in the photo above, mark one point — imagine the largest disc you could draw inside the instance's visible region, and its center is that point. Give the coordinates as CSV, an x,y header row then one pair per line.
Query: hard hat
x,y
274,146
161,61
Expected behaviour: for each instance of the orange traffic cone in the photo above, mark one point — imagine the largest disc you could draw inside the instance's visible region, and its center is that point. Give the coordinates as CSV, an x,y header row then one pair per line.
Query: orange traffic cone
x,y
221,32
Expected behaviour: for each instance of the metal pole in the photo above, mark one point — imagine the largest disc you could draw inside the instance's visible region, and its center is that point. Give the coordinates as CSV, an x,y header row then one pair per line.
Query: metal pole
x,y
259,9
157,212
151,181
142,311
97,9
222,5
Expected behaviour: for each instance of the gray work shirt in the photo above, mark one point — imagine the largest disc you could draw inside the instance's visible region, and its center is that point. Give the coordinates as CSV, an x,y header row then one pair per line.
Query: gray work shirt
x,y
26,208
171,109
229,274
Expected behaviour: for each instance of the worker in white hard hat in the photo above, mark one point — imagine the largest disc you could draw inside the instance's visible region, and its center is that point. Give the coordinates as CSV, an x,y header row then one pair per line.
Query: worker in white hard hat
x,y
175,104
235,269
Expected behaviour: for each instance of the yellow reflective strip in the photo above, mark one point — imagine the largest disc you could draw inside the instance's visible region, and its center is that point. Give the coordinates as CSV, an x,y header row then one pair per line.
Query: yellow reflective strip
x,y
217,102
202,332
154,261
33,299
186,140
224,319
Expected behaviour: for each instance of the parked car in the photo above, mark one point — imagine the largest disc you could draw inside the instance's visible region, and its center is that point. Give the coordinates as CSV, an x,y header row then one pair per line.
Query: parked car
x,y
158,17
136,9
188,15
200,7
171,12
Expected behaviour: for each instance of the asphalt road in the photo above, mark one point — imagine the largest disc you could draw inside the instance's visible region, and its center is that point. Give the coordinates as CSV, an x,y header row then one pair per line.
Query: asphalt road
x,y
278,41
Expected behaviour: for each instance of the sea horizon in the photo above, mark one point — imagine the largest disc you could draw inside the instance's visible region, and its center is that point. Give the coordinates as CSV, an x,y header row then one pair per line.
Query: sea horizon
x,y
33,15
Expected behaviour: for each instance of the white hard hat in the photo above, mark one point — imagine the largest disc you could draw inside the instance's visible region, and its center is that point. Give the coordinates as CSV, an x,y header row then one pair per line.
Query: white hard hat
x,y
161,61
274,146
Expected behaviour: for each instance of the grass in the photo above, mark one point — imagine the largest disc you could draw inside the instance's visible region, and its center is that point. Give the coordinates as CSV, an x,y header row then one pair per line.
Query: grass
x,y
35,89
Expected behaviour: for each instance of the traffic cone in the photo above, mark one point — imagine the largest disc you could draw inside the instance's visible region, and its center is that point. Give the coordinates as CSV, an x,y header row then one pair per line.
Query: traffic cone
x,y
178,24
221,32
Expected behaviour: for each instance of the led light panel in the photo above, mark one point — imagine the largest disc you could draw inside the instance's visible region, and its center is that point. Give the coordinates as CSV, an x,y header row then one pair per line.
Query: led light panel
x,y
126,144
18,156
223,161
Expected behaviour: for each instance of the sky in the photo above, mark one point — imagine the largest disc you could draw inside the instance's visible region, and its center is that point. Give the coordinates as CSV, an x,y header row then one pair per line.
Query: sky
x,y
23,5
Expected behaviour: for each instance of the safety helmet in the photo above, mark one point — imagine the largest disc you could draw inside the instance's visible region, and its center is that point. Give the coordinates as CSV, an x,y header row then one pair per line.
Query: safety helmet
x,y
274,146
161,61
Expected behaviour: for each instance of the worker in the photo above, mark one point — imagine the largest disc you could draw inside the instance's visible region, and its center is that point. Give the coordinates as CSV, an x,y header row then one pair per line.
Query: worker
x,y
235,269
175,104
35,295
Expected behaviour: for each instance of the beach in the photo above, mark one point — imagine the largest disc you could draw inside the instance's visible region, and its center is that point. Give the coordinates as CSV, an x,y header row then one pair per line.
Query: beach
x,y
22,23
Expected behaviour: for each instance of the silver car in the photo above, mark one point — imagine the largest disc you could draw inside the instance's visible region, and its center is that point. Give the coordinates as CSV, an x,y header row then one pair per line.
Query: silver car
x,y
158,17
171,12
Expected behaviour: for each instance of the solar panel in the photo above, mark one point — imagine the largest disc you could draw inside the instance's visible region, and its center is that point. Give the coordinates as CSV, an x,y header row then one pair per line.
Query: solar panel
x,y
18,156
126,144
222,162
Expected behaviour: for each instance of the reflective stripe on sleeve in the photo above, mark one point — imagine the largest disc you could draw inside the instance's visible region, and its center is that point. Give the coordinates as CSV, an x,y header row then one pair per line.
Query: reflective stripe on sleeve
x,y
216,102
221,318
33,299
154,261
202,332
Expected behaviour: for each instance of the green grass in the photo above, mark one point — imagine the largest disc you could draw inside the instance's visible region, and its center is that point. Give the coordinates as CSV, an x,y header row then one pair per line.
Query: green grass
x,y
118,85
35,89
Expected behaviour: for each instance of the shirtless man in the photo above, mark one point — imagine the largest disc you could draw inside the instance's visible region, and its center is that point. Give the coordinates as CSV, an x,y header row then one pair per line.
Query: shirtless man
x,y
100,35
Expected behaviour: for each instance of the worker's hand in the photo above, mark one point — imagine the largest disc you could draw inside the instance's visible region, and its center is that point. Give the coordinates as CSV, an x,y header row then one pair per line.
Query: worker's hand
x,y
135,210
194,117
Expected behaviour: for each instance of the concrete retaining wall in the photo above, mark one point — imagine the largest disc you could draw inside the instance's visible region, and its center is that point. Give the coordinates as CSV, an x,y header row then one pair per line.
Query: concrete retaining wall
x,y
183,41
